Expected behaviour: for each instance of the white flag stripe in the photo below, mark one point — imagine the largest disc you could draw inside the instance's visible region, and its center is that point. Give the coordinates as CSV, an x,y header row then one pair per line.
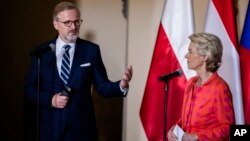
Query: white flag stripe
x,y
177,31
230,69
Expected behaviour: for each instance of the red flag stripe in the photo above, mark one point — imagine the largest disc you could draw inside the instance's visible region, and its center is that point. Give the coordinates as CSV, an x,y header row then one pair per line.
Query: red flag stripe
x,y
171,45
228,21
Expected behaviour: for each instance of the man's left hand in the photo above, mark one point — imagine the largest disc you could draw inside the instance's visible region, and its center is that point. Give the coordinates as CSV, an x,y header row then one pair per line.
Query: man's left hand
x,y
127,76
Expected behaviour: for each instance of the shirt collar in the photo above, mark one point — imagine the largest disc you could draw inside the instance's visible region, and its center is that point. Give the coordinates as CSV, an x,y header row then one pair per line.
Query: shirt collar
x,y
60,44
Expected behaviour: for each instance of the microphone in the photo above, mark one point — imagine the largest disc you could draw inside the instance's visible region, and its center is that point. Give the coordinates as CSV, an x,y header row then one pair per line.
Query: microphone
x,y
66,91
40,51
171,75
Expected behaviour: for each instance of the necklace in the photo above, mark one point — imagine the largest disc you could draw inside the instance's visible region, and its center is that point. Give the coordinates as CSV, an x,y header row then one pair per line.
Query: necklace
x,y
198,82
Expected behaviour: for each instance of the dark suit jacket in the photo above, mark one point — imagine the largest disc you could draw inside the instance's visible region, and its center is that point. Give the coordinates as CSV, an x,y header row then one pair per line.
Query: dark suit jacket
x,y
77,120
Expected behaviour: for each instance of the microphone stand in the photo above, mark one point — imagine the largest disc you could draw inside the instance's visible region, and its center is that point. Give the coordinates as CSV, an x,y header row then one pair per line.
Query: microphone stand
x,y
165,108
38,53
38,97
165,79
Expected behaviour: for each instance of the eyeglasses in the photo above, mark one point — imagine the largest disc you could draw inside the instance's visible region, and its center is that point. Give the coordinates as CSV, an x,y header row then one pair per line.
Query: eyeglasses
x,y
69,23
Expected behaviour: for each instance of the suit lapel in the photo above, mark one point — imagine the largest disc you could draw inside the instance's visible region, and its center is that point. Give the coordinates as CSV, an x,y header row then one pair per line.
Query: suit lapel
x,y
76,61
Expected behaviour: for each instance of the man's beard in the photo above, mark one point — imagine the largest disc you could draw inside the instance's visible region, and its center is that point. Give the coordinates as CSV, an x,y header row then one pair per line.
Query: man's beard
x,y
72,38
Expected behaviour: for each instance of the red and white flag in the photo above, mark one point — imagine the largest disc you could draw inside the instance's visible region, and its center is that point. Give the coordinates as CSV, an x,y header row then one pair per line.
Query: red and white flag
x,y
245,65
221,21
170,48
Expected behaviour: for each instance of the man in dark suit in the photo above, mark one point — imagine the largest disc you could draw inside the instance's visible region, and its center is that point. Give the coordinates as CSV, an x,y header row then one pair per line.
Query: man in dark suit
x,y
66,75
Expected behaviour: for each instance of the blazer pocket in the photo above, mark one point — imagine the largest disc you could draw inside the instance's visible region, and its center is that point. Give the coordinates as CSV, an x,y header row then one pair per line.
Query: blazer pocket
x,y
85,65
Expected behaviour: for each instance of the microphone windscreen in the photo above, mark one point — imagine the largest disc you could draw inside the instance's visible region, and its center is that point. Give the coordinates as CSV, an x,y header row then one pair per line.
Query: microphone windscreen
x,y
53,47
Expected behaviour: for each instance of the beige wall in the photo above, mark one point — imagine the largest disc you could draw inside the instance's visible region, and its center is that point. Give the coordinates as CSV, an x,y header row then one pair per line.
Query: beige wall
x,y
105,25
144,18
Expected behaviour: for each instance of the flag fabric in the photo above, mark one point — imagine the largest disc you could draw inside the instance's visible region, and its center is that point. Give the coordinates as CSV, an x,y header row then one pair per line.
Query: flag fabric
x,y
220,20
168,56
245,65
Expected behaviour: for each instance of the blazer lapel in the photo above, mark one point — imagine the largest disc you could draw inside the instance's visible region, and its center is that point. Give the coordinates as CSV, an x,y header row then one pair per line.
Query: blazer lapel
x,y
75,62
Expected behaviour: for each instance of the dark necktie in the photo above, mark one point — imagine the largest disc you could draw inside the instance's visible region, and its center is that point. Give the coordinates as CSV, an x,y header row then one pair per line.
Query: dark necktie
x,y
65,66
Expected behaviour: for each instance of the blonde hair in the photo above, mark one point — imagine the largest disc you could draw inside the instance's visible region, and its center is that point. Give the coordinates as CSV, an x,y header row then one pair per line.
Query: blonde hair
x,y
209,45
62,6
